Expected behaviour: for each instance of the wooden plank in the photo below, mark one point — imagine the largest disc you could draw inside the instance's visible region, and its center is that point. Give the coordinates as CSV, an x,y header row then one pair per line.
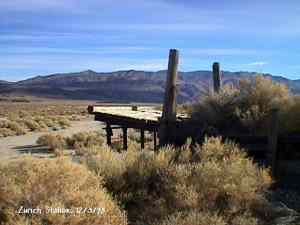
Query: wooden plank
x,y
127,122
216,77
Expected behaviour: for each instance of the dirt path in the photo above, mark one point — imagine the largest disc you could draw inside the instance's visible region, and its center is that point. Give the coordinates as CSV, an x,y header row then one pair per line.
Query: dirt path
x,y
12,147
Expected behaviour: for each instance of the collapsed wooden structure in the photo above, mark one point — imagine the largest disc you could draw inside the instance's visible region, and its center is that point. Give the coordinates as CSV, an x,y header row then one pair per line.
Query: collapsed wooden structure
x,y
169,126
143,118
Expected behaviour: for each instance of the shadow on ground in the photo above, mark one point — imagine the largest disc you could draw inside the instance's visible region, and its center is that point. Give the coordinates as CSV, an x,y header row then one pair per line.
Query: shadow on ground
x,y
34,149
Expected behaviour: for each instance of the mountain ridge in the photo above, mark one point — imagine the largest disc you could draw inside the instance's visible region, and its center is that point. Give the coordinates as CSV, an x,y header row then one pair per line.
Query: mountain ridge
x,y
125,85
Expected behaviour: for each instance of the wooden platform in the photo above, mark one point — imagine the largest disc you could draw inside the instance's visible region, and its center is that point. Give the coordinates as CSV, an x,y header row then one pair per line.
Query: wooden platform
x,y
140,117
144,118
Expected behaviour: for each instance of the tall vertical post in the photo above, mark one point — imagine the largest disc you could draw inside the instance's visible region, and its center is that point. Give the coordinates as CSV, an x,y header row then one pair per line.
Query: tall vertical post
x,y
168,119
272,140
125,145
142,138
154,141
109,133
217,77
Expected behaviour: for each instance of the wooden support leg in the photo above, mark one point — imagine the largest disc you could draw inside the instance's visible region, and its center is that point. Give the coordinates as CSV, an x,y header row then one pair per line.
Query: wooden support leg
x,y
125,145
109,133
142,138
154,140
272,139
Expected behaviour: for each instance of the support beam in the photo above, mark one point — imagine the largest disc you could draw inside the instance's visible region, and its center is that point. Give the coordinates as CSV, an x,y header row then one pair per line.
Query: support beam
x,y
167,129
273,140
217,77
154,140
109,133
125,145
142,138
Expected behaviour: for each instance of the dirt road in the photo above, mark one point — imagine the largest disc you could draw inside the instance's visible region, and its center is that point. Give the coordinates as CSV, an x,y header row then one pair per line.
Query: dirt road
x,y
13,147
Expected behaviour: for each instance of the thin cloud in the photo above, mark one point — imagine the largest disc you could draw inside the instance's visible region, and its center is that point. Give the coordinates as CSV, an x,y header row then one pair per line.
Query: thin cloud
x,y
261,63
223,51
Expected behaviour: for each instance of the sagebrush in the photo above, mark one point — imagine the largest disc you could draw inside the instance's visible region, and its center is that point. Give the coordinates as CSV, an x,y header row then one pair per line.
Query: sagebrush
x,y
59,183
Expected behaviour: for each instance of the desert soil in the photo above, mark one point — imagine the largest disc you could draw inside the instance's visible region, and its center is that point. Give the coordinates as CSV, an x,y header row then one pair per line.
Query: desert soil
x,y
16,146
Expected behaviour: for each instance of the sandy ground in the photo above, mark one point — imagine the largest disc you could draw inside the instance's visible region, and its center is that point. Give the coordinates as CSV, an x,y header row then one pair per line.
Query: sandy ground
x,y
13,147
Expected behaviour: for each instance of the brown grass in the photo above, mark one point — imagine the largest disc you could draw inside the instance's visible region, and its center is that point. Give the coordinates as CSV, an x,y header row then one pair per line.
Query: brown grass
x,y
59,183
217,180
34,117
242,109
54,142
83,143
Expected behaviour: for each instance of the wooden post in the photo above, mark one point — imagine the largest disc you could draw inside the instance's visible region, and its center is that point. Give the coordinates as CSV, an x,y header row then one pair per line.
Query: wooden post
x,y
272,140
142,138
169,108
216,77
125,145
109,133
154,141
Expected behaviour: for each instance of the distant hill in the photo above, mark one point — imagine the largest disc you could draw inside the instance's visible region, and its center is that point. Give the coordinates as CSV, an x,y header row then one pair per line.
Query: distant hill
x,y
124,86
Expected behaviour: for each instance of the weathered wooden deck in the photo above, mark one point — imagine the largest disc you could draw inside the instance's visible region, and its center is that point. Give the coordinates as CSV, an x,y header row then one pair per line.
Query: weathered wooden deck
x,y
144,118
139,117
144,113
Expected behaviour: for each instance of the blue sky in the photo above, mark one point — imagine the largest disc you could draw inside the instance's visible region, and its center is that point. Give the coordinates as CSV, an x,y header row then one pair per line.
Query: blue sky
x,y
39,37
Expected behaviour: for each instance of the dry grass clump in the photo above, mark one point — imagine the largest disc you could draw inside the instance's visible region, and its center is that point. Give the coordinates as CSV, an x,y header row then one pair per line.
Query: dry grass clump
x,y
32,125
42,116
54,142
9,128
5,132
218,179
194,218
242,109
85,140
205,218
54,183
290,117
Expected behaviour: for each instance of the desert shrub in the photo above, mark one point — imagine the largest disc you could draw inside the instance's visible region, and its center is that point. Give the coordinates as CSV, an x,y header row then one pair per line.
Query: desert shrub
x,y
63,122
194,218
205,218
18,129
218,178
85,140
53,183
54,142
5,132
49,122
242,109
32,125
10,128
290,118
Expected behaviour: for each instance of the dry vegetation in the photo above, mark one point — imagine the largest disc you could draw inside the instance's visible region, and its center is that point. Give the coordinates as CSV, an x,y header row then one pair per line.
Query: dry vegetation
x,y
213,184
174,185
246,108
20,118
47,183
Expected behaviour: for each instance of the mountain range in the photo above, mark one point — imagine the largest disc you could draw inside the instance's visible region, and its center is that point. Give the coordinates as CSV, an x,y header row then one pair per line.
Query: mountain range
x,y
124,86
